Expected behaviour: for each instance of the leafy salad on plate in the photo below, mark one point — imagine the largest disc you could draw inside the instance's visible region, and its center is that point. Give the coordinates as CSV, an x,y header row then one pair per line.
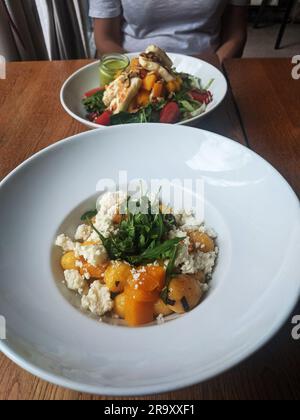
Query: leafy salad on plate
x,y
148,90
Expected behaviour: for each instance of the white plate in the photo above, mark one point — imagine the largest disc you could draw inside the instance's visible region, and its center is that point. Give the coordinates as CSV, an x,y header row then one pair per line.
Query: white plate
x,y
254,288
87,78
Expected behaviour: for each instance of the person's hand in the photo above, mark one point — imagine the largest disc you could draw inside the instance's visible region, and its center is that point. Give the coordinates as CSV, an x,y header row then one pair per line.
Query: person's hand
x,y
234,33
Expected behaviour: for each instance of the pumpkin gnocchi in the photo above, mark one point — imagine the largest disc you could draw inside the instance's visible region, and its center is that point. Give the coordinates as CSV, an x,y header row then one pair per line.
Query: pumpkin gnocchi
x,y
138,267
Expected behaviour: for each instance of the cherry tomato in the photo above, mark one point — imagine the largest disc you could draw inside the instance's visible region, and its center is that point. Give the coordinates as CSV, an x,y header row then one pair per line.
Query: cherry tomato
x,y
170,114
103,119
204,97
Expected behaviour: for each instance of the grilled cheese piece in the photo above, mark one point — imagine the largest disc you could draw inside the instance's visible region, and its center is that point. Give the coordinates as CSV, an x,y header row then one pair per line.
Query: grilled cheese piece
x,y
120,93
147,61
161,55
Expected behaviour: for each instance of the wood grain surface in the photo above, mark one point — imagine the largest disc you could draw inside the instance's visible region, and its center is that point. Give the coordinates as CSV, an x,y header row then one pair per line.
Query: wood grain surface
x,y
268,99
31,118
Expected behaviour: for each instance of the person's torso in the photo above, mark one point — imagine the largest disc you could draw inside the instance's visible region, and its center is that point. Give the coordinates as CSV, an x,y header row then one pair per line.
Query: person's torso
x,y
189,26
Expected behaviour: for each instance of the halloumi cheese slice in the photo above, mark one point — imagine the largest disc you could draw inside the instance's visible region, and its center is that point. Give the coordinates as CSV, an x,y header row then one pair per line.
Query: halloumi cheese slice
x,y
161,55
119,94
150,65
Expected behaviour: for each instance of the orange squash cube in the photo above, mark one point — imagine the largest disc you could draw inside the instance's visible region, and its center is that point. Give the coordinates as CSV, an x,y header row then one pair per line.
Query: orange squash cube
x,y
68,261
158,90
119,305
134,64
141,295
94,272
143,98
138,313
149,81
149,278
116,276
172,86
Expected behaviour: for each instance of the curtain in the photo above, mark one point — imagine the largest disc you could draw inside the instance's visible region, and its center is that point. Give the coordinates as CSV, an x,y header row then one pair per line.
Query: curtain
x,y
20,31
43,29
68,29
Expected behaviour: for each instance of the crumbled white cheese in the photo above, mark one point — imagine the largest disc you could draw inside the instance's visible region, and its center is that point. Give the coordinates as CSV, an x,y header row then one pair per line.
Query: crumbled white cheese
x,y
79,264
136,274
74,280
65,243
83,233
155,264
98,300
211,232
93,254
110,203
94,237
86,274
205,287
188,220
177,233
191,263
160,319
104,224
199,261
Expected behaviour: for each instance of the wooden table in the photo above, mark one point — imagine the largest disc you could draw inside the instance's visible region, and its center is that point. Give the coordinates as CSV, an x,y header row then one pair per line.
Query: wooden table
x,y
268,100
266,119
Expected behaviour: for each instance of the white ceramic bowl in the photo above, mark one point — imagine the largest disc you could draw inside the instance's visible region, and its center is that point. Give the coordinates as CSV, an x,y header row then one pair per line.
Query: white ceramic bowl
x,y
87,78
254,288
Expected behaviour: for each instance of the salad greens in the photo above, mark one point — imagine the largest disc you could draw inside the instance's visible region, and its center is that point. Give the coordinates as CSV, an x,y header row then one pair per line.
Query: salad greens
x,y
94,103
188,105
145,115
142,235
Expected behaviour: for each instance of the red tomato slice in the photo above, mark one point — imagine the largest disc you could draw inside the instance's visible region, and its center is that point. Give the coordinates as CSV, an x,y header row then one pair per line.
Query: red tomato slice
x,y
170,114
204,97
103,119
93,92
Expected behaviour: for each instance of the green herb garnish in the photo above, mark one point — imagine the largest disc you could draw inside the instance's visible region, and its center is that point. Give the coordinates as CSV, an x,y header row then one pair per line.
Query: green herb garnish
x,y
163,251
142,235
86,217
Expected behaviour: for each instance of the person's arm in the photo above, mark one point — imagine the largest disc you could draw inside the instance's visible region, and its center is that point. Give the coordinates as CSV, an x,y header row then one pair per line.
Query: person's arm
x,y
108,35
234,32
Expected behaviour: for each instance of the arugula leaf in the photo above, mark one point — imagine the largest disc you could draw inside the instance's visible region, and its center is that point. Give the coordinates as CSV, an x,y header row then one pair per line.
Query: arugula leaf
x,y
109,245
89,215
142,236
125,118
162,251
172,260
147,114
195,82
95,103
